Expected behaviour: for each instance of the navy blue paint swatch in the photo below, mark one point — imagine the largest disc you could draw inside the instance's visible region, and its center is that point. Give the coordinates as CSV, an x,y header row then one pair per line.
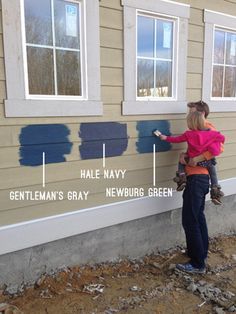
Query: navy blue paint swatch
x,y
49,138
146,139
93,135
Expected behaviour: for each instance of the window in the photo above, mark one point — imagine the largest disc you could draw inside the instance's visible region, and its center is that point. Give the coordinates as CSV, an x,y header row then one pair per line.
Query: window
x,y
224,64
219,61
53,47
155,55
52,57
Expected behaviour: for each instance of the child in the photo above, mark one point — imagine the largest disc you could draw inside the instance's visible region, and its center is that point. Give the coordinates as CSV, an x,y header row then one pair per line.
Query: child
x,y
199,140
202,160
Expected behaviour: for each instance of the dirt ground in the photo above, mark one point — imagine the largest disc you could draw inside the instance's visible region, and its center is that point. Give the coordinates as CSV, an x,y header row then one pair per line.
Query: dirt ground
x,y
148,285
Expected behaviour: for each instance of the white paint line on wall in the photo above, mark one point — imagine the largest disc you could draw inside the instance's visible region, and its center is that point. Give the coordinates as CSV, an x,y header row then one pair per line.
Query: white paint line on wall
x,y
104,155
44,173
154,164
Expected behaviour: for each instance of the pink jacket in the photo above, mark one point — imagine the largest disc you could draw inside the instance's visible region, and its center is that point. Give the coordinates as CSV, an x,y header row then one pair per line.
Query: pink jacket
x,y
200,142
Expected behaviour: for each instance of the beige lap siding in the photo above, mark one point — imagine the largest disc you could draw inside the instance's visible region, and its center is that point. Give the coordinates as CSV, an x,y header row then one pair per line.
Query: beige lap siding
x,y
65,176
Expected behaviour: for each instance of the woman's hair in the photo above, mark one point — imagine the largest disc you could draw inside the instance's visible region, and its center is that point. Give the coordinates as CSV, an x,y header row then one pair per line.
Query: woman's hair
x,y
196,121
200,106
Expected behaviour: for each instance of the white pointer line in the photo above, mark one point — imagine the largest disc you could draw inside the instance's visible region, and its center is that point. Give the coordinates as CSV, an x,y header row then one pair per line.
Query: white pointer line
x,y
103,155
154,164
43,169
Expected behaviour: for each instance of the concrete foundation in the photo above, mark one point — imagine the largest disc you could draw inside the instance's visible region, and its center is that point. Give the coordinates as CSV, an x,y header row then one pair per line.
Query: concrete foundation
x,y
132,239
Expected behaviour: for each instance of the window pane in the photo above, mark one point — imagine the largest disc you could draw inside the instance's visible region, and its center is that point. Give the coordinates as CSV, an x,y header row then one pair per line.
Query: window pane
x,y
68,73
38,22
231,49
145,78
219,47
163,79
145,36
230,82
40,71
164,39
217,81
67,30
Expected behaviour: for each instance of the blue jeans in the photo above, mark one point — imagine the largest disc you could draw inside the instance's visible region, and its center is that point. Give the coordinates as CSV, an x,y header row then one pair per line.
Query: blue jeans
x,y
193,218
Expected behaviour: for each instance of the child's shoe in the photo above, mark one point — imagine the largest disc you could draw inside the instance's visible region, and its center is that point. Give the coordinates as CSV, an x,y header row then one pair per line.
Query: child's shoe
x,y
181,180
216,194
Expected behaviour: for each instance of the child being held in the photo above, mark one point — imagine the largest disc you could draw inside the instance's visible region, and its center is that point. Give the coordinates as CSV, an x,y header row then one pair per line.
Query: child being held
x,y
199,140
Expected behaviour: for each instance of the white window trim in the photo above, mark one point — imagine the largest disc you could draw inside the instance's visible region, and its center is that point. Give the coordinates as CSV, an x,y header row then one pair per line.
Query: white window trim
x,y
177,11
212,20
17,103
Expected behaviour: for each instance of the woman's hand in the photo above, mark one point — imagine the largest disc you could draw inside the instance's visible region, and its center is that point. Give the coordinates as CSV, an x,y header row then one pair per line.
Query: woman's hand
x,y
192,162
182,158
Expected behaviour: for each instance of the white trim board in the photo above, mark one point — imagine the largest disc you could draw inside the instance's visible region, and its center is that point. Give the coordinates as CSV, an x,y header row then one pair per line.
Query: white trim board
x,y
35,232
160,6
219,18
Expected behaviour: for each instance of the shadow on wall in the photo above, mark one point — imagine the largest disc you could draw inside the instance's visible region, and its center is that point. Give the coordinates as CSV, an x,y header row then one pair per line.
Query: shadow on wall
x,y
146,139
49,138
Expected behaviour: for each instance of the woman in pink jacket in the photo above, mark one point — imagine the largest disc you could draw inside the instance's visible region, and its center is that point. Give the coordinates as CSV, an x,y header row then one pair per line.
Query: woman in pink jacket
x,y
199,140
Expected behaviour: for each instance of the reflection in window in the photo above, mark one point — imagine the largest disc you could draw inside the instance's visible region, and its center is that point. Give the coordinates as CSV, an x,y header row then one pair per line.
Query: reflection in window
x,y
145,78
146,35
40,71
219,47
217,85
38,22
68,72
66,24
154,57
163,79
52,29
230,80
224,65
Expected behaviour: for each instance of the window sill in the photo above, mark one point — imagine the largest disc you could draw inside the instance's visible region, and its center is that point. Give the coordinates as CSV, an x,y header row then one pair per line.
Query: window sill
x,y
52,108
153,107
221,105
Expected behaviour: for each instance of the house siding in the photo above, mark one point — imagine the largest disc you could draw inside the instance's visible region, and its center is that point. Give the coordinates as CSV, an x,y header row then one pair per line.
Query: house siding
x,y
18,174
